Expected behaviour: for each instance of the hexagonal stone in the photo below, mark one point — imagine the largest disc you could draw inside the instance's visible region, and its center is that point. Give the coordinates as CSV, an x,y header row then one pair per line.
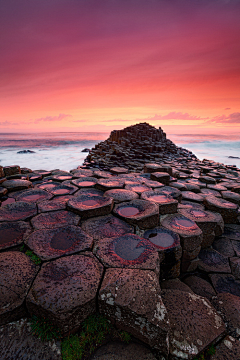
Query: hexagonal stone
x,y
35,195
229,348
19,210
167,243
107,226
127,251
175,284
50,220
167,204
120,195
131,299
13,233
16,276
143,213
84,182
232,231
162,177
152,167
231,196
207,179
190,205
228,306
213,261
152,184
178,185
3,191
108,184
89,191
16,184
88,205
191,196
65,291
227,209
101,174
206,220
82,172
62,177
194,323
63,190
47,185
207,192
18,342
57,203
53,243
225,283
224,246
119,170
200,286
190,234
11,170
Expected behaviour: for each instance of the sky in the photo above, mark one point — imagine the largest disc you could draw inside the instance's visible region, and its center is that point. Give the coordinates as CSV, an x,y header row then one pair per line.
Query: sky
x,y
90,65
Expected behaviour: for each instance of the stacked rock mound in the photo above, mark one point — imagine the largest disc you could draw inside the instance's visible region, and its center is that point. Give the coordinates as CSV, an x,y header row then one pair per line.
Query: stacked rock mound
x,y
156,252
132,147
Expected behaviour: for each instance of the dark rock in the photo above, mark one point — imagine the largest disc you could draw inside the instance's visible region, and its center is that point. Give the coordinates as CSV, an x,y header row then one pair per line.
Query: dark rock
x,y
85,150
26,152
35,195
13,233
54,219
225,283
11,170
200,286
90,205
120,195
228,349
16,184
167,204
19,210
65,291
213,261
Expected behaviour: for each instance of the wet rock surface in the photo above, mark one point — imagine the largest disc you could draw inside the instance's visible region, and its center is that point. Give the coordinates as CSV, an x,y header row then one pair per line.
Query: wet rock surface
x,y
191,246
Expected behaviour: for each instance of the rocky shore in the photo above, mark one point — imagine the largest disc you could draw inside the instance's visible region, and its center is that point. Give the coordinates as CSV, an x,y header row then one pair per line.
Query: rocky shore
x,y
143,233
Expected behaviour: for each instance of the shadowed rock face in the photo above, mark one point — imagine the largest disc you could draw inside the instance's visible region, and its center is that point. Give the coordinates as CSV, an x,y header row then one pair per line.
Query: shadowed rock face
x,y
131,299
54,219
65,290
13,233
19,210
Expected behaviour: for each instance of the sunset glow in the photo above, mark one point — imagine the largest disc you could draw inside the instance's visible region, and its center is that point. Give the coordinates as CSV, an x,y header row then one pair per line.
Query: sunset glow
x,y
103,65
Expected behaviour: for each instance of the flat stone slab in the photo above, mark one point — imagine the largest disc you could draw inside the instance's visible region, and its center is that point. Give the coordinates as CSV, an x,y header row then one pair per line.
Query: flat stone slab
x,y
212,261
107,226
162,177
119,170
229,348
200,286
139,212
88,205
18,210
16,276
228,306
194,323
137,188
82,172
57,203
53,243
190,234
63,190
16,184
47,185
191,196
84,182
13,233
127,251
35,196
206,220
110,183
224,246
167,204
225,283
65,291
62,177
53,219
227,209
119,351
131,299
175,284
120,195
231,196
17,342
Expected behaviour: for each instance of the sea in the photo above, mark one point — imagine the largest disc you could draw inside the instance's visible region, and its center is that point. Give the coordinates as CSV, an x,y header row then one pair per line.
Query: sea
x,y
63,150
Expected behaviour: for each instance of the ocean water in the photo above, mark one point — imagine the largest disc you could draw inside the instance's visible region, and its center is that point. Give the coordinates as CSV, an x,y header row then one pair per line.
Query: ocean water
x,y
63,150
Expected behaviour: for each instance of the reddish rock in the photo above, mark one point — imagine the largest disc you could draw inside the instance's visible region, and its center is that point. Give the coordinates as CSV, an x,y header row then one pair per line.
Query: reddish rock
x,y
131,299
57,203
35,196
63,190
227,209
162,177
200,286
194,323
191,196
119,170
120,195
16,184
65,291
213,261
225,283
175,284
13,233
84,182
50,220
19,210
228,349
11,170
88,205
106,227
52,243
16,276
167,204
111,183
143,213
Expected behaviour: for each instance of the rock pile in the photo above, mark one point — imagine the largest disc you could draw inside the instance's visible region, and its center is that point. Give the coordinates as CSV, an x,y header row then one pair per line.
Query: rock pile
x,y
133,146
156,251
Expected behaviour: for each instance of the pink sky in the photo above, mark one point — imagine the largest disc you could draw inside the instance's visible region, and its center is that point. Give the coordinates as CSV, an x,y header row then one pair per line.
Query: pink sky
x,y
77,65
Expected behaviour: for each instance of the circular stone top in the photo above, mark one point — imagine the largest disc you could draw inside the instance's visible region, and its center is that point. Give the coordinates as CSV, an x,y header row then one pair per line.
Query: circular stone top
x,y
129,251
174,192
49,220
189,195
158,197
90,205
62,177
82,172
220,203
138,188
106,227
16,275
16,184
107,184
18,210
199,215
13,233
64,284
162,238
35,196
181,224
63,189
120,195
49,185
85,182
52,243
58,203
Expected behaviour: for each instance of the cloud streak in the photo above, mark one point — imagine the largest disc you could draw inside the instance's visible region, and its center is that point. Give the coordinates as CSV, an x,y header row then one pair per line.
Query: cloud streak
x,y
60,117
233,118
